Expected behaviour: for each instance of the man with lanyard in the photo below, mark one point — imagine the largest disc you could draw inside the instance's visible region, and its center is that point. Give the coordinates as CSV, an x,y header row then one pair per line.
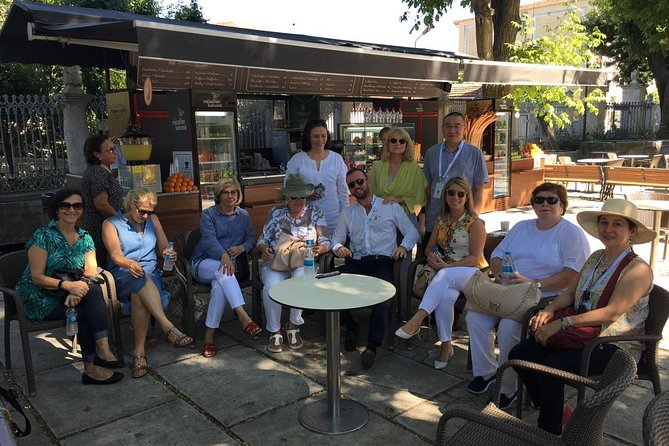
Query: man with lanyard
x,y
371,228
452,158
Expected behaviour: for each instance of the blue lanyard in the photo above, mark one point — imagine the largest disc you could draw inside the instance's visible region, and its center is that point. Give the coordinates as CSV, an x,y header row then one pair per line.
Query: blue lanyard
x,y
441,154
586,286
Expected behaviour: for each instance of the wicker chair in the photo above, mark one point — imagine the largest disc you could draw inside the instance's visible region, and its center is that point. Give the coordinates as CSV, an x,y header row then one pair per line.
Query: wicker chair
x,y
656,421
185,245
493,426
11,268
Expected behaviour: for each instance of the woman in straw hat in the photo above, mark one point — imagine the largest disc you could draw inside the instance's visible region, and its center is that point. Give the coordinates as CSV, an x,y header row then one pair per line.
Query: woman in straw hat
x,y
618,228
301,220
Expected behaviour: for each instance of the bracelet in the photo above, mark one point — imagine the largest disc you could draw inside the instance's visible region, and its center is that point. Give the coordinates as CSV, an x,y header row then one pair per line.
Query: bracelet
x,y
60,284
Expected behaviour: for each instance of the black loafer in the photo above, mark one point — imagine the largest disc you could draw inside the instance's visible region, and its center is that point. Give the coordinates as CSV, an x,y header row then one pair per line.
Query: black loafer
x,y
108,364
116,377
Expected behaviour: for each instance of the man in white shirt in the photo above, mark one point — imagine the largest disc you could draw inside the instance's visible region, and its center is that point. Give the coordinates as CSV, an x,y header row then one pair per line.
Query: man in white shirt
x,y
371,228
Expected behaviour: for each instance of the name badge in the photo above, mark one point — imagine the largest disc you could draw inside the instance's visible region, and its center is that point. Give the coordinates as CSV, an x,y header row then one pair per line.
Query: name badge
x,y
439,189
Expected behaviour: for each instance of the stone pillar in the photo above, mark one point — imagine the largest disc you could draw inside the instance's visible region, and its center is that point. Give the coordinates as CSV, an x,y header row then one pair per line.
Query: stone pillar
x,y
74,118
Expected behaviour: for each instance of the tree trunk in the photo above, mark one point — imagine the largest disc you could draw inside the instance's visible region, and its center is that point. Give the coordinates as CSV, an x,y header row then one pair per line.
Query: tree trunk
x,y
505,12
659,65
484,31
550,142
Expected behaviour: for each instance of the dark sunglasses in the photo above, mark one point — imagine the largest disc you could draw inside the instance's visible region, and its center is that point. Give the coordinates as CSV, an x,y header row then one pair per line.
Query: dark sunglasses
x,y
359,182
452,192
585,304
395,141
549,200
64,205
145,211
297,198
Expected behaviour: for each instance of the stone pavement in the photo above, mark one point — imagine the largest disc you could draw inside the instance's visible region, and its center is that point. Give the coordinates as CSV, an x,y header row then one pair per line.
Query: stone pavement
x,y
246,395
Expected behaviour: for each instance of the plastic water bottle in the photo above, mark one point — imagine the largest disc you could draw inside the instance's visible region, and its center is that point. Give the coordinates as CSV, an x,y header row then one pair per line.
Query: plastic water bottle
x,y
168,264
309,266
311,235
508,268
71,325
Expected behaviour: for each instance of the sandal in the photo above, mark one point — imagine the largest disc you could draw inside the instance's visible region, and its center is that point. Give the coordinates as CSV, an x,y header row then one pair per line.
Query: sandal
x,y
176,338
139,370
209,350
252,329
275,344
294,338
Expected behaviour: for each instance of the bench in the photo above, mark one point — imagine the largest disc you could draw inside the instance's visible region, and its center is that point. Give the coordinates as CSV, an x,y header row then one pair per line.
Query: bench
x,y
633,176
576,173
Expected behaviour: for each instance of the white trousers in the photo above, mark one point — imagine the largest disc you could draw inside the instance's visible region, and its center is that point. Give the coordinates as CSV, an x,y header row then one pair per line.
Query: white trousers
x,y
224,289
272,308
481,329
441,294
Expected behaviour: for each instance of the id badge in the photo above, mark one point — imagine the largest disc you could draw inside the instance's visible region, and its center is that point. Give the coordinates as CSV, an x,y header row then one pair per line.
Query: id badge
x,y
438,189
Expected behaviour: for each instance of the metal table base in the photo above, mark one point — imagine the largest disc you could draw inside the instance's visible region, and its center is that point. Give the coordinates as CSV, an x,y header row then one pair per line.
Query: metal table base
x,y
333,415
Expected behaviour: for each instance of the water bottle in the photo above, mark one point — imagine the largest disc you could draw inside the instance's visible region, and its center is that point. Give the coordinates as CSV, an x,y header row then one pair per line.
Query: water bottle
x,y
71,325
436,250
311,235
168,264
309,267
508,269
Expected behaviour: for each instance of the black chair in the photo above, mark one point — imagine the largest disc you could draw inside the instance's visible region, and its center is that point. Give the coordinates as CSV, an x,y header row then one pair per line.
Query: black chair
x,y
656,421
11,268
185,244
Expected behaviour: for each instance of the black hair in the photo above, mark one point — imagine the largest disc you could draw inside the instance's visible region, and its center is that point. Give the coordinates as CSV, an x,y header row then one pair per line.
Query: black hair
x,y
353,170
93,144
59,197
306,134
454,113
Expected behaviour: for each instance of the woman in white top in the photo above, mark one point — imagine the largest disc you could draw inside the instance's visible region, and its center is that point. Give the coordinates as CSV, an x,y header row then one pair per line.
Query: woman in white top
x,y
325,169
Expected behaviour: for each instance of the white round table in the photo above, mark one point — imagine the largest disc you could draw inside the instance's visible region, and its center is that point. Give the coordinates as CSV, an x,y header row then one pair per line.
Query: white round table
x,y
332,294
634,158
658,207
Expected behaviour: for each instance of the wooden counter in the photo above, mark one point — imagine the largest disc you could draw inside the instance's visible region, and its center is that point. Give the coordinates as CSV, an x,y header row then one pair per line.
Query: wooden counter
x,y
523,183
178,212
259,199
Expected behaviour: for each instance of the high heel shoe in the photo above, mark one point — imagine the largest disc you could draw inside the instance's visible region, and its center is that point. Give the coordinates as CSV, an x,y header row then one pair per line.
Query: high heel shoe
x,y
443,364
400,333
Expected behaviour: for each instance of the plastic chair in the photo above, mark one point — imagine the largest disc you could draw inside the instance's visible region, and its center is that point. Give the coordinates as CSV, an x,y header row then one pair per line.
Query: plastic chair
x,y
612,155
11,268
565,160
647,217
656,421
493,426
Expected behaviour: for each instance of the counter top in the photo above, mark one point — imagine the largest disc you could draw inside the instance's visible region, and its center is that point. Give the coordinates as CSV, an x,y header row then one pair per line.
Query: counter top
x,y
251,178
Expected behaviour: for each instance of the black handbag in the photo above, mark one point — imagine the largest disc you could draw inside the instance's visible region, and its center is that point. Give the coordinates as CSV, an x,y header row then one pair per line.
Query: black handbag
x,y
73,275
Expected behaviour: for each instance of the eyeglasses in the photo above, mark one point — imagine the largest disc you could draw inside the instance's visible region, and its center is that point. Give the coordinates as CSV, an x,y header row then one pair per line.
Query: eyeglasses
x,y
145,211
229,192
453,127
452,192
359,182
64,205
549,200
585,303
395,141
297,198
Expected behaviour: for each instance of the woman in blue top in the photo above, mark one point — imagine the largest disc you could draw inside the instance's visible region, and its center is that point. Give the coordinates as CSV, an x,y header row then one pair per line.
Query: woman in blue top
x,y
220,258
132,238
62,245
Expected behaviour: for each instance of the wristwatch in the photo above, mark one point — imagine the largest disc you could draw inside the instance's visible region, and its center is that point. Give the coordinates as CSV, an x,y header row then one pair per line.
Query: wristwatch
x,y
537,283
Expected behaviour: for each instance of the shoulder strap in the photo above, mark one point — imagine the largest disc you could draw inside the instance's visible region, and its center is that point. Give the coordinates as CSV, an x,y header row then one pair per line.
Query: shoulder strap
x,y
11,397
611,284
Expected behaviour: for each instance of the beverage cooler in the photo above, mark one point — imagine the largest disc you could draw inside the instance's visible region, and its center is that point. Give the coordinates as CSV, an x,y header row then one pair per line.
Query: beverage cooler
x,y
203,122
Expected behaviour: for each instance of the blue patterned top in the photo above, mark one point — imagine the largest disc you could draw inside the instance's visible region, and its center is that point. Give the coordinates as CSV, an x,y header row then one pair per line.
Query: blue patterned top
x,y
280,221
39,302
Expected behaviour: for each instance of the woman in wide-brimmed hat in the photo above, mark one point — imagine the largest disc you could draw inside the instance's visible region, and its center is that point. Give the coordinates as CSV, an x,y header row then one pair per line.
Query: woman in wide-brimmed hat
x,y
298,219
617,226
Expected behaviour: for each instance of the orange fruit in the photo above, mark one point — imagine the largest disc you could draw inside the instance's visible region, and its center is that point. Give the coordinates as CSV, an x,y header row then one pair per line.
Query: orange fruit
x,y
193,188
169,189
183,189
180,174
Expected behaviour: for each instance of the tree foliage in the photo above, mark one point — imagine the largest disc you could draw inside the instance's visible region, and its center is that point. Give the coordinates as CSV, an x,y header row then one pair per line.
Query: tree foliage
x,y
570,44
637,40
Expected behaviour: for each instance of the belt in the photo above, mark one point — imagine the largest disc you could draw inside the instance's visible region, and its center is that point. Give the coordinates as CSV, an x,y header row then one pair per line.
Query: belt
x,y
378,257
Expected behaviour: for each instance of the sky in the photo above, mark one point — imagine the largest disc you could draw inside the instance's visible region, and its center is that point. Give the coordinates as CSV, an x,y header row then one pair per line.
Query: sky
x,y
373,21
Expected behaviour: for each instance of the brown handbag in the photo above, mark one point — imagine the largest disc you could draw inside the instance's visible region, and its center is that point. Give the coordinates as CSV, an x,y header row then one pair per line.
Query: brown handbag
x,y
423,280
288,253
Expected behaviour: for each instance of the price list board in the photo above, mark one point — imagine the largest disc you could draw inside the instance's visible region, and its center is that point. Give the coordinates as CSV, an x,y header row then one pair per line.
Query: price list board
x,y
276,81
398,88
172,75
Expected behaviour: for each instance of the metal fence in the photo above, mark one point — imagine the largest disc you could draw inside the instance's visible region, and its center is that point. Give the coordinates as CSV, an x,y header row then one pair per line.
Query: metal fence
x,y
33,153
629,120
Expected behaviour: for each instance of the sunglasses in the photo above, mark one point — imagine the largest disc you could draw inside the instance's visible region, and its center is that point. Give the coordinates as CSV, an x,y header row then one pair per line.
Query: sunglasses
x,y
64,205
395,141
359,182
145,211
549,200
297,198
452,192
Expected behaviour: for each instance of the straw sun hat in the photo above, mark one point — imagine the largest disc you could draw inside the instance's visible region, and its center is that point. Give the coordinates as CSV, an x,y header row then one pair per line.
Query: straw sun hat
x,y
295,187
619,207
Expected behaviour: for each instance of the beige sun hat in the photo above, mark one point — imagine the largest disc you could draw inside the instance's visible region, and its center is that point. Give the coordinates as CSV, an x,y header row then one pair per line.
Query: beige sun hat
x,y
622,208
296,187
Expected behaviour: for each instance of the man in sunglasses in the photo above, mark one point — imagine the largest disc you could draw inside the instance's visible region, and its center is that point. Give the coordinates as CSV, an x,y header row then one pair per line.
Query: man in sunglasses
x,y
453,157
371,228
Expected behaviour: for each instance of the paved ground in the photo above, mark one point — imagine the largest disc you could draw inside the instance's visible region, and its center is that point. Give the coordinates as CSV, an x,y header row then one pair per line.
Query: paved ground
x,y
247,396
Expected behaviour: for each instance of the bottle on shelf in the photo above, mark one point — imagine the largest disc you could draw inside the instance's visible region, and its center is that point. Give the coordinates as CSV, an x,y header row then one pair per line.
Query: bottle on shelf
x,y
399,116
309,263
168,264
71,325
508,268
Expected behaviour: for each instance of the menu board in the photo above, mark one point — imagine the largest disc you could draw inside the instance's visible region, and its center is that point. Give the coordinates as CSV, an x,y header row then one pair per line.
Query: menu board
x,y
275,81
397,87
172,75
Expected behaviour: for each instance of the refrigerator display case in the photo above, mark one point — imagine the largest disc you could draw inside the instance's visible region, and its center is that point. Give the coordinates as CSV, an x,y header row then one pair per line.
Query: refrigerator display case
x,y
204,122
362,144
501,155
